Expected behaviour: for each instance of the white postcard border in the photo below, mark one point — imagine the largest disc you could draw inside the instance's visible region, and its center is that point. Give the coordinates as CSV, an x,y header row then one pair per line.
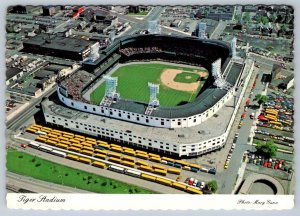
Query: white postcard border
x,y
60,201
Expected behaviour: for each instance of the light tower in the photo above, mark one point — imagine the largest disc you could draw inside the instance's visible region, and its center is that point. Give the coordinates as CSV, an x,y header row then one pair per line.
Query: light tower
x,y
154,90
220,82
154,27
153,101
94,54
111,94
233,47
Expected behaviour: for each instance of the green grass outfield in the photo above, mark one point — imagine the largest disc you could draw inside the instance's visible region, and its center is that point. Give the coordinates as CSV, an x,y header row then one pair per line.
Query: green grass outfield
x,y
38,168
133,84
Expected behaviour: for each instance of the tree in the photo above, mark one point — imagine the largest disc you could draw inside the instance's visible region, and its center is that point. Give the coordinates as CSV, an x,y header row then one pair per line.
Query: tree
x,y
257,97
263,19
268,149
261,99
247,17
213,185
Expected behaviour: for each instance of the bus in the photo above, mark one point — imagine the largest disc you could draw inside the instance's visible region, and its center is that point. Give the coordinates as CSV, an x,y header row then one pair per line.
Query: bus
x,y
99,164
156,166
160,172
54,139
76,145
62,146
115,160
271,117
141,152
100,151
143,156
112,154
116,146
74,149
41,139
174,171
45,149
86,144
64,142
88,148
132,153
69,134
55,133
127,163
47,128
129,149
41,133
29,130
271,111
50,142
103,145
63,138
59,153
145,168
86,152
181,162
193,190
52,135
79,139
179,186
163,181
100,156
91,142
139,162
276,123
116,149
72,157
127,158
168,159
148,177
90,139
44,136
33,144
154,155
84,160
155,159
116,168
74,141
79,136
132,173
195,166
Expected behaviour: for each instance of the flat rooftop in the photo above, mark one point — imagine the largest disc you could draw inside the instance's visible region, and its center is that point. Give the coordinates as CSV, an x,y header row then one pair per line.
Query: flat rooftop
x,y
59,43
213,127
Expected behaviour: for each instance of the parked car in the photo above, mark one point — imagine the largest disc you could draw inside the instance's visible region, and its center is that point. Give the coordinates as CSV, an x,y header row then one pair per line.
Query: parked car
x,y
191,181
23,145
195,182
202,185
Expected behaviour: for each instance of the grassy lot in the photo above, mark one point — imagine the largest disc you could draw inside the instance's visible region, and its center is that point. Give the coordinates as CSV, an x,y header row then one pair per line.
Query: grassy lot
x,y
186,77
133,85
28,165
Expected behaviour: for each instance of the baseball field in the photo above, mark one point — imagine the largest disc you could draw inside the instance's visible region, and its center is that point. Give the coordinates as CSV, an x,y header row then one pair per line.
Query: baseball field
x,y
178,85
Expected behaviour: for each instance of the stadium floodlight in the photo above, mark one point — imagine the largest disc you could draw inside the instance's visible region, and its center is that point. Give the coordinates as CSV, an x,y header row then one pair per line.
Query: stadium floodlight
x,y
220,82
154,90
154,27
233,47
94,54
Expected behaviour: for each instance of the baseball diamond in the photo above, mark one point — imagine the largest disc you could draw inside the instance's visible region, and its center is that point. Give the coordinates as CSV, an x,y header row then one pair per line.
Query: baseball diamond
x,y
133,81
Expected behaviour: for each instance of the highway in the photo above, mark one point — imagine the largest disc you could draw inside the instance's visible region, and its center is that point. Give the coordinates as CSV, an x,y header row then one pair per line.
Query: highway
x,y
15,182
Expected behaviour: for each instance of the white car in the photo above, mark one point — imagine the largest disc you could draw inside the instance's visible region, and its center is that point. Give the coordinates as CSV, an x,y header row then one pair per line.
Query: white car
x,y
195,182
229,157
202,185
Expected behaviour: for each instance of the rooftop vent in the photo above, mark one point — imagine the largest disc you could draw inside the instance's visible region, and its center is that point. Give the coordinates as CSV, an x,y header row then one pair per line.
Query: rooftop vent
x,y
181,135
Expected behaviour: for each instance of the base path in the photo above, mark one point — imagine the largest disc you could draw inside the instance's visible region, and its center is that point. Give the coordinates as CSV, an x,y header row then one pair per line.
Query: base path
x,y
168,75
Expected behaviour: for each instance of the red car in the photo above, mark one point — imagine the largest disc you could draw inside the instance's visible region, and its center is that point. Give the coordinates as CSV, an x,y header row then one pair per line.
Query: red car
x,y
269,165
280,162
276,166
265,164
23,146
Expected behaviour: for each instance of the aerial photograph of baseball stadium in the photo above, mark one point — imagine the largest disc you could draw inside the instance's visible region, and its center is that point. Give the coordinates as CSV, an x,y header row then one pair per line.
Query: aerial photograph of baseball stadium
x,y
144,99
